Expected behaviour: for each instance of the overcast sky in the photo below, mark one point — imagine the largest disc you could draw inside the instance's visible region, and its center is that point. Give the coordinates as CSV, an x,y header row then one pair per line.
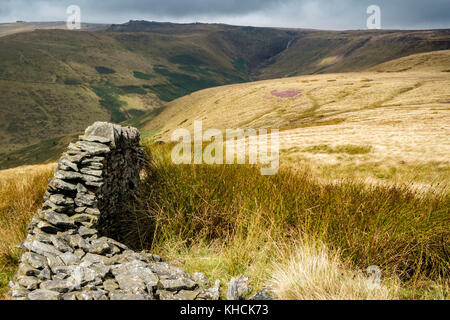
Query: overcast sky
x,y
319,14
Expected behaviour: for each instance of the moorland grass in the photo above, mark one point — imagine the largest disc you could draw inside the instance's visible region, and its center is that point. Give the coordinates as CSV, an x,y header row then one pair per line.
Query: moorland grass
x,y
235,221
104,70
21,195
288,231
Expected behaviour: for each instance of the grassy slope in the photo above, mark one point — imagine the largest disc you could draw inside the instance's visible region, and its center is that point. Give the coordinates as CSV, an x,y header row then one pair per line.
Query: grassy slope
x,y
395,117
429,61
65,90
43,152
47,85
344,51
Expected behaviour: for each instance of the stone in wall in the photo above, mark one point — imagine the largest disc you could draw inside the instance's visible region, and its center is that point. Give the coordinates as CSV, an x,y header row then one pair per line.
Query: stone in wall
x,y
71,251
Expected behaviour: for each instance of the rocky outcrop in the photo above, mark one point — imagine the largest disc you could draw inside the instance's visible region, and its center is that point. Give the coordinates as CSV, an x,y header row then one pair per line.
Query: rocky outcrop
x,y
72,252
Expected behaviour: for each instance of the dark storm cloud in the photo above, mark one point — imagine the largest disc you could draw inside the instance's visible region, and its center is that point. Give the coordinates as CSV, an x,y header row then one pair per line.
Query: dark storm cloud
x,y
183,8
325,14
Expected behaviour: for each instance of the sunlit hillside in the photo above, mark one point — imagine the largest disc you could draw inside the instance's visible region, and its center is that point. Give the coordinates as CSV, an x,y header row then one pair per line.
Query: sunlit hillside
x,y
390,123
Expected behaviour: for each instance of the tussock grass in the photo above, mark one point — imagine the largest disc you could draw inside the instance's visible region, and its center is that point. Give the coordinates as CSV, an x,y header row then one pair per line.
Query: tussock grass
x,y
312,272
302,238
21,194
235,221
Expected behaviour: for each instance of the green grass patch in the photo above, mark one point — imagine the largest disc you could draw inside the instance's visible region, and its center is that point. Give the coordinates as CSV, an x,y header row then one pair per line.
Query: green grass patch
x,y
166,92
240,65
196,70
136,113
132,89
143,76
72,82
109,99
142,119
20,197
148,134
104,70
44,151
179,85
186,59
161,70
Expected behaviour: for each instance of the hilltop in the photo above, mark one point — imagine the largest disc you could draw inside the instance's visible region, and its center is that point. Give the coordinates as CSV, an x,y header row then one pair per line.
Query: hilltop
x,y
22,26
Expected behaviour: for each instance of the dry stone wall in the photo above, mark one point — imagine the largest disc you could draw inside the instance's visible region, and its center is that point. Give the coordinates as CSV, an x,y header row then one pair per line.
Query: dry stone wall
x,y
72,252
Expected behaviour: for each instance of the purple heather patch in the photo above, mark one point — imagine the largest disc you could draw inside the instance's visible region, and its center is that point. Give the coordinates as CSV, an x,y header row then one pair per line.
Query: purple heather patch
x,y
287,94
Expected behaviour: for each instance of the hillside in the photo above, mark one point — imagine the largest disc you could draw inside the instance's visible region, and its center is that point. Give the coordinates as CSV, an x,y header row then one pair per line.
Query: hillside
x,y
315,52
429,61
56,82
379,125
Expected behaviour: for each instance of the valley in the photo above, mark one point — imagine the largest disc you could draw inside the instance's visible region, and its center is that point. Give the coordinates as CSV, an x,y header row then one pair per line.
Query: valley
x,y
55,82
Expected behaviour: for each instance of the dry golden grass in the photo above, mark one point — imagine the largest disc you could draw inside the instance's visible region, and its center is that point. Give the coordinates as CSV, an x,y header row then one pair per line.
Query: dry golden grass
x,y
404,117
312,272
21,194
228,221
192,229
22,174
291,272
